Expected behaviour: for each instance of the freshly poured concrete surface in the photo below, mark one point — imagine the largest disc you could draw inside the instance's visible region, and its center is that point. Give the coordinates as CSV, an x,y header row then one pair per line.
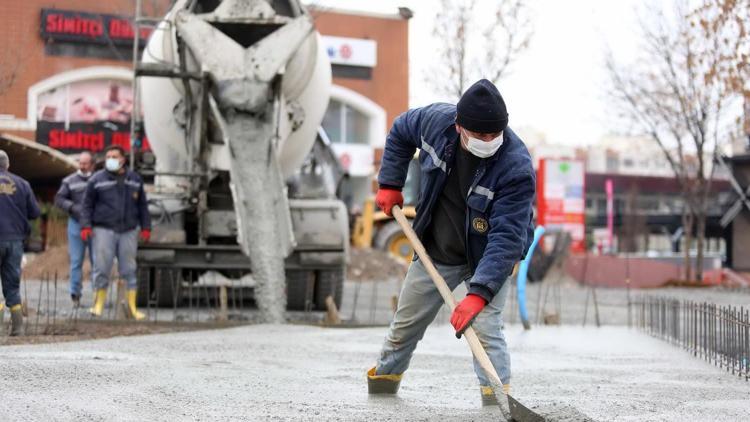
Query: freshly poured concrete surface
x,y
276,372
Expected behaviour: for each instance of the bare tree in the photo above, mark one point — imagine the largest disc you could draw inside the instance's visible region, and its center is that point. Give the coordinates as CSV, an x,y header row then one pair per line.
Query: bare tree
x,y
729,20
471,49
666,95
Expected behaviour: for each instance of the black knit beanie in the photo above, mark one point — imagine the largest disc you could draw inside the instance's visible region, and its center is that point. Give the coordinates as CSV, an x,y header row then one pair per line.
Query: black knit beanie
x,y
481,109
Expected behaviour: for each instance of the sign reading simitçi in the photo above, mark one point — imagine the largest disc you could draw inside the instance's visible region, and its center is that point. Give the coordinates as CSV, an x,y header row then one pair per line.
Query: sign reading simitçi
x,y
79,137
90,28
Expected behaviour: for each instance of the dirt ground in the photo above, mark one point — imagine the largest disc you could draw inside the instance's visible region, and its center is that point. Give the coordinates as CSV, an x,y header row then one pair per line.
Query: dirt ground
x,y
374,265
53,260
91,330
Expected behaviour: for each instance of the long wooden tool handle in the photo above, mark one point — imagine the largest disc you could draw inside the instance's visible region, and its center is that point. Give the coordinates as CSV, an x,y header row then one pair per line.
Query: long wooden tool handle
x,y
445,292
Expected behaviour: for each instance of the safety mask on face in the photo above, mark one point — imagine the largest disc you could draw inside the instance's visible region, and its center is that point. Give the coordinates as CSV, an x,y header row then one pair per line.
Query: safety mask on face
x,y
112,164
481,148
84,173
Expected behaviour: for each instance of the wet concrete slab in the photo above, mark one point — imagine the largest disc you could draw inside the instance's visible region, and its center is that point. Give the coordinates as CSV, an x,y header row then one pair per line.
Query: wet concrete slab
x,y
295,372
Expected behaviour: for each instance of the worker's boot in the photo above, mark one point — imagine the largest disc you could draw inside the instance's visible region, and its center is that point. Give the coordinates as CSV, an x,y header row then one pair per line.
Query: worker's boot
x,y
76,299
132,295
16,320
100,296
2,313
382,384
488,394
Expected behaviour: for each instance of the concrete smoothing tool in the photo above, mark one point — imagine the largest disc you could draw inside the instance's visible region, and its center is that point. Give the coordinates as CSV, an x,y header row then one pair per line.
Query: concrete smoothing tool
x,y
515,411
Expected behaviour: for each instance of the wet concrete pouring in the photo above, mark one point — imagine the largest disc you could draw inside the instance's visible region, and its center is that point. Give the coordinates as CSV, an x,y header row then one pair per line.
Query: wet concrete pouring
x,y
298,372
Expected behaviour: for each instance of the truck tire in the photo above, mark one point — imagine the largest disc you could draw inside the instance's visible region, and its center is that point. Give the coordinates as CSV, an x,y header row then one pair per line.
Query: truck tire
x,y
391,238
168,283
168,286
329,282
299,289
145,276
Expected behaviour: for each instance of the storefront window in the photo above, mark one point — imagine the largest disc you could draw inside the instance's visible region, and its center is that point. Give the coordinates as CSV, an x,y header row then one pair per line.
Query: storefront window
x,y
89,114
88,101
346,125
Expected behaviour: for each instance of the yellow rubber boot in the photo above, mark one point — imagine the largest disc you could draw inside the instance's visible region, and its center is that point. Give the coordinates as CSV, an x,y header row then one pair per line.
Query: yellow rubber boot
x,y
132,294
488,394
16,320
382,384
99,298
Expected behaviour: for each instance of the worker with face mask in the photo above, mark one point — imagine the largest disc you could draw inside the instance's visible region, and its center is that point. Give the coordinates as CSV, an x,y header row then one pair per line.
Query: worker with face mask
x,y
69,198
114,207
474,217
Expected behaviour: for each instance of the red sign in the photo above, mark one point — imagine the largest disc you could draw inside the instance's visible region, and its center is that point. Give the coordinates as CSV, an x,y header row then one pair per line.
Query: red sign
x,y
561,199
345,51
92,28
94,137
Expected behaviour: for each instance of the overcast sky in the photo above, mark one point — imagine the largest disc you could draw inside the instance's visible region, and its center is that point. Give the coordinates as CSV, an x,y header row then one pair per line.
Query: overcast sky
x,y
557,86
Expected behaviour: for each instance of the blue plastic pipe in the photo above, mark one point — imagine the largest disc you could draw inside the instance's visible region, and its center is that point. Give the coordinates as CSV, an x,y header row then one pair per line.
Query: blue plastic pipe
x,y
523,269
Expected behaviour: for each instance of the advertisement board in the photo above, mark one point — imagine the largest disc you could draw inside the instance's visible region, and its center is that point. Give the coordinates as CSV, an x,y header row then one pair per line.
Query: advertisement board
x,y
561,199
351,51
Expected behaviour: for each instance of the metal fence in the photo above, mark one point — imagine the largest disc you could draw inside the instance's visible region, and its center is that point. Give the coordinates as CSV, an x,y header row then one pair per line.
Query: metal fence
x,y
716,334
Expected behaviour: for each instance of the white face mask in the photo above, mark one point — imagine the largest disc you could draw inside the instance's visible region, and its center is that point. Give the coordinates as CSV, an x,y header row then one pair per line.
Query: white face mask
x,y
481,148
112,164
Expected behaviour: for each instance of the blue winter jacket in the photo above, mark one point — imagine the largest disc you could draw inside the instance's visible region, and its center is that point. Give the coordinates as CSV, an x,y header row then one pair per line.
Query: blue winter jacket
x,y
499,227
17,207
120,207
69,197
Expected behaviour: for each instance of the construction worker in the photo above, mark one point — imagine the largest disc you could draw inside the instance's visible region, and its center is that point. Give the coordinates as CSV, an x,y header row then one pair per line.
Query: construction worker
x,y
474,216
114,206
17,207
70,199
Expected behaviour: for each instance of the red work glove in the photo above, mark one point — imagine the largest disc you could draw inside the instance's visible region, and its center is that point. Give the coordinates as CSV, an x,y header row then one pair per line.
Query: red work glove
x,y
145,235
86,234
465,313
386,198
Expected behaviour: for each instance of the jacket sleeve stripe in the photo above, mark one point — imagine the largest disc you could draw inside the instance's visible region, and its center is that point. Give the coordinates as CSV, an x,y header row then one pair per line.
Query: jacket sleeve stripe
x,y
435,159
481,190
104,184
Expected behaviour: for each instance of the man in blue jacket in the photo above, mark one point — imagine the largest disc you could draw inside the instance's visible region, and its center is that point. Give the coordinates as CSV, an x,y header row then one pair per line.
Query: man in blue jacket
x,y
70,199
17,207
474,216
114,206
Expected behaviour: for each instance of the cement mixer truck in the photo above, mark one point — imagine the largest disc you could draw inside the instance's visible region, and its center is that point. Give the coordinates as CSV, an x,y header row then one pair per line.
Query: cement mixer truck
x,y
233,93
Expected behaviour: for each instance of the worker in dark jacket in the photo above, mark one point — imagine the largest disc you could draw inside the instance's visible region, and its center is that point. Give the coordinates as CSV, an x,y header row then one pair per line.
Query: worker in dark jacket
x,y
474,217
70,199
17,207
114,207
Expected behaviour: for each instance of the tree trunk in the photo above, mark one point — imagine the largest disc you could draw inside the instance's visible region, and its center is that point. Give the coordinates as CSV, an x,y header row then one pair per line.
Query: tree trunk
x,y
687,227
700,229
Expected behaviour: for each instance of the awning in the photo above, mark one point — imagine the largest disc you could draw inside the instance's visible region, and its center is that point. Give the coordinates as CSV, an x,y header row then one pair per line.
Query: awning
x,y
37,163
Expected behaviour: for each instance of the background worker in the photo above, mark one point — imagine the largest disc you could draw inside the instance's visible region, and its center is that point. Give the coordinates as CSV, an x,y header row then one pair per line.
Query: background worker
x,y
17,207
474,217
114,206
70,199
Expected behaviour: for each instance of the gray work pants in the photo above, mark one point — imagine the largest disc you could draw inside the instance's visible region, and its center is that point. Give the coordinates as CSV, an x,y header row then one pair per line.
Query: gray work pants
x,y
419,303
108,245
